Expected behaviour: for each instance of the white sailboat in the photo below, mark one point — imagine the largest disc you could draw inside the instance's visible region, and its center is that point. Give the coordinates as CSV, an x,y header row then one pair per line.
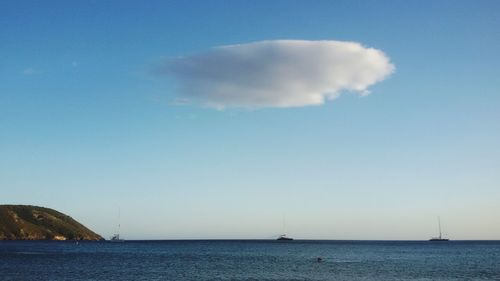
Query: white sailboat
x,y
440,237
283,236
116,236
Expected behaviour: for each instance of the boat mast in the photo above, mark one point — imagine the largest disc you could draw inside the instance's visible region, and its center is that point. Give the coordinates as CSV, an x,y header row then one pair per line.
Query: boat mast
x,y
439,224
284,226
119,212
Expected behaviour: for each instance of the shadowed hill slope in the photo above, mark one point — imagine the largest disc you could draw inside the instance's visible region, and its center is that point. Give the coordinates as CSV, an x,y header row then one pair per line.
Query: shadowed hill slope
x,y
25,222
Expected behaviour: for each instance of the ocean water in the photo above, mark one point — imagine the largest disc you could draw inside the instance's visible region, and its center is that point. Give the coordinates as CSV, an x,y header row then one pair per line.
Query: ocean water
x,y
250,260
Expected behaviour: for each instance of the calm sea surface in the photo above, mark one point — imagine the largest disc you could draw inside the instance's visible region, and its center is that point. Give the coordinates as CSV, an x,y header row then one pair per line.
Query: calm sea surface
x,y
250,260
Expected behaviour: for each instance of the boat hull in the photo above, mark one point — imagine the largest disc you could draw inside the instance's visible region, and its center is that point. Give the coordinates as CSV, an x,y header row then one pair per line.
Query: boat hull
x,y
439,240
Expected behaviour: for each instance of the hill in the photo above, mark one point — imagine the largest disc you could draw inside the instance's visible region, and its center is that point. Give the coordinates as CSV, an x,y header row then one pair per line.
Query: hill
x,y
25,222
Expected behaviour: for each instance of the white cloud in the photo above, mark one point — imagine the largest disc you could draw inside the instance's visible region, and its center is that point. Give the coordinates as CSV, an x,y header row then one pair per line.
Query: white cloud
x,y
280,73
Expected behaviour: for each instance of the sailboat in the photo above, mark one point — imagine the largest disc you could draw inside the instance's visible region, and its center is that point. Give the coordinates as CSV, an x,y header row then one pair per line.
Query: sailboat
x,y
283,236
440,237
116,236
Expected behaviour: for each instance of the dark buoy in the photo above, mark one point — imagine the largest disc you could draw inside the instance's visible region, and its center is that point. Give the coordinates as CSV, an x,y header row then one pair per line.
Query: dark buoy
x,y
319,259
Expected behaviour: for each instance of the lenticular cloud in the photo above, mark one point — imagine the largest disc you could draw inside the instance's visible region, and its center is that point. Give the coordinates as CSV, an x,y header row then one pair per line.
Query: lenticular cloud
x,y
280,73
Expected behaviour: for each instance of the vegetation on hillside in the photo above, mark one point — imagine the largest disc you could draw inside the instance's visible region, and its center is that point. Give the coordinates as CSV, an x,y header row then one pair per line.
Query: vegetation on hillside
x,y
25,222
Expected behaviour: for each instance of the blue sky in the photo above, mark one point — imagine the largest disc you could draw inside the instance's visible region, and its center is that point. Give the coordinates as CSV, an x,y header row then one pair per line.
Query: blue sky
x,y
88,127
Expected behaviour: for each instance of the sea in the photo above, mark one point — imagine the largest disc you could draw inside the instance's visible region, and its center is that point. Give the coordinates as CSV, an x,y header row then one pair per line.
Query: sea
x,y
249,260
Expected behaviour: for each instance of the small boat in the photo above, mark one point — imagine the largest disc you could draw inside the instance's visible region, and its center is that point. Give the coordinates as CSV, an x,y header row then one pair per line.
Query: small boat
x,y
440,237
437,239
284,238
116,236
